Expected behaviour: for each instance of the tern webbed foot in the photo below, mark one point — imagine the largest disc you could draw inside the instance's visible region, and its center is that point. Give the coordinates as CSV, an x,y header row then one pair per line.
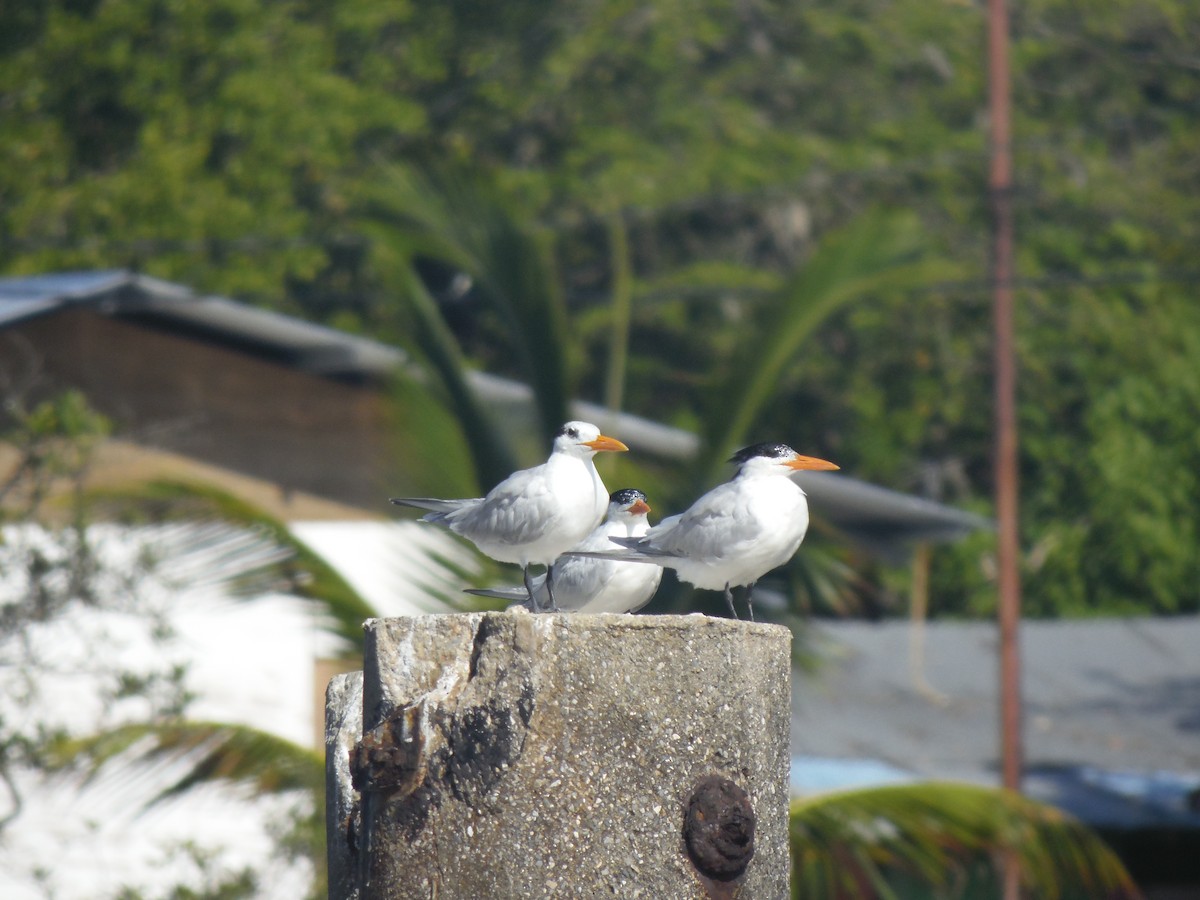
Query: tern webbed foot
x,y
729,600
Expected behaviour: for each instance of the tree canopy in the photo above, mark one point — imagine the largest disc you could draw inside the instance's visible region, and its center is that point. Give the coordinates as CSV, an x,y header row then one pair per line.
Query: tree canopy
x,y
689,158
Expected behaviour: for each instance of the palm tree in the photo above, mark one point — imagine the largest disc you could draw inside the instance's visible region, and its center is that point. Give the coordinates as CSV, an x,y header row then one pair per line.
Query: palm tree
x,y
198,532
879,251
945,841
468,226
54,564
465,225
895,842
215,753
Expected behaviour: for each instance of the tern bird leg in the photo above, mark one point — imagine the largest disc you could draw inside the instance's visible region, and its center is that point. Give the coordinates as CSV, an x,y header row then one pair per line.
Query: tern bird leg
x,y
729,600
750,599
529,587
553,607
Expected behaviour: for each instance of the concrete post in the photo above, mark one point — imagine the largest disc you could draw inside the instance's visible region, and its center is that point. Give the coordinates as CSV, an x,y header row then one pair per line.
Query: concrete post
x,y
343,731
526,756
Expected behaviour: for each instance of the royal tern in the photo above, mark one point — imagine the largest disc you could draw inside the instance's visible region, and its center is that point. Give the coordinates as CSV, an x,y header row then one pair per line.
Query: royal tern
x,y
535,514
586,585
738,531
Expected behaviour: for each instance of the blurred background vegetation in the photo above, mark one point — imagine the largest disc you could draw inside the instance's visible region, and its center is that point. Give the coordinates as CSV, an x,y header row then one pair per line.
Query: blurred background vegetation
x,y
675,165
753,219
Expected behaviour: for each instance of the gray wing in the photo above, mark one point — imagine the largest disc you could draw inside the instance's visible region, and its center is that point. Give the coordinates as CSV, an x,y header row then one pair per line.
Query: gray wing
x,y
519,510
633,551
577,580
716,526
638,549
440,511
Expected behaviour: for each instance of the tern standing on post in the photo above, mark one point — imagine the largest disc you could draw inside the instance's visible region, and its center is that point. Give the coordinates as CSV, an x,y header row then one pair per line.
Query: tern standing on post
x,y
533,515
586,585
738,531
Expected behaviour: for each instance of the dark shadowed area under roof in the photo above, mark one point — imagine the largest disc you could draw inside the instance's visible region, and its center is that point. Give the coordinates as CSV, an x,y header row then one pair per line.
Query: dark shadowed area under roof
x,y
883,521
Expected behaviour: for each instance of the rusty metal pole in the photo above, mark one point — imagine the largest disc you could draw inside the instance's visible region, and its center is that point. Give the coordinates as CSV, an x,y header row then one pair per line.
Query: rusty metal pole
x,y
1000,183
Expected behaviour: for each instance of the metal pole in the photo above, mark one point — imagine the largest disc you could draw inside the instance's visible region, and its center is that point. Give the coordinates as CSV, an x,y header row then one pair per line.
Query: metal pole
x,y
1000,184
1007,555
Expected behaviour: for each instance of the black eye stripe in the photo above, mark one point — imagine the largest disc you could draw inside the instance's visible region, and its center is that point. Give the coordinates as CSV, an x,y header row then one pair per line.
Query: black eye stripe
x,y
568,430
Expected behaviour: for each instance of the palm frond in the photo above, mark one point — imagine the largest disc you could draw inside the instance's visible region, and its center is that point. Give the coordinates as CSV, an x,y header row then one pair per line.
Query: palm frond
x,y
491,455
280,554
879,251
708,277
822,581
936,838
465,223
197,753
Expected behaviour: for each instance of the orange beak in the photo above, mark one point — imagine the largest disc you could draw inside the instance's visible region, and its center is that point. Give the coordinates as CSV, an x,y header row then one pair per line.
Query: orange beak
x,y
606,443
811,463
640,507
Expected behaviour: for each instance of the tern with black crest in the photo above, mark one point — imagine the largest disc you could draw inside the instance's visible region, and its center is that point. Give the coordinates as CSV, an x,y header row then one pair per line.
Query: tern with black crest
x,y
737,532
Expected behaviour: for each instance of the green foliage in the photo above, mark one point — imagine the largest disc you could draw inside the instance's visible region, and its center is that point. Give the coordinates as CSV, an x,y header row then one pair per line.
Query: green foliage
x,y
876,252
1135,485
261,150
54,442
488,451
467,225
464,225
945,841
429,443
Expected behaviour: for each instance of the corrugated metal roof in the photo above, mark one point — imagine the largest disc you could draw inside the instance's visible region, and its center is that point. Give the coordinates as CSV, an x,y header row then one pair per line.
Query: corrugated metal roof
x,y
882,520
1107,693
313,348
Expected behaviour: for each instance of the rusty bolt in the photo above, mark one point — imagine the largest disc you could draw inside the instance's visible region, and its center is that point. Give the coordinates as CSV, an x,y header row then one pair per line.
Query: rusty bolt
x,y
718,828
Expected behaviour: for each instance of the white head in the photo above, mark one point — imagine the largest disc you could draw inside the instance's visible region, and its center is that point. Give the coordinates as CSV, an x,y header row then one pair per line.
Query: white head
x,y
627,505
775,459
584,440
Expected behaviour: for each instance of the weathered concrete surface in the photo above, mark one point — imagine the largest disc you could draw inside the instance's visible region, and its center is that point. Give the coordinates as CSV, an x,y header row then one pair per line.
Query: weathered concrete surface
x,y
343,730
513,755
